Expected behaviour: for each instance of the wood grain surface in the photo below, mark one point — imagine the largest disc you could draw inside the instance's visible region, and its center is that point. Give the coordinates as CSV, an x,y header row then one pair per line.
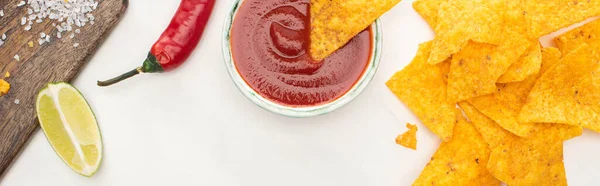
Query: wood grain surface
x,y
57,61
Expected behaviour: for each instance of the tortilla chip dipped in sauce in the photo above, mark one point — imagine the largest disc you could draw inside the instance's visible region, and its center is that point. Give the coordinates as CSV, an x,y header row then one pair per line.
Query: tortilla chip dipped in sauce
x,y
335,22
270,42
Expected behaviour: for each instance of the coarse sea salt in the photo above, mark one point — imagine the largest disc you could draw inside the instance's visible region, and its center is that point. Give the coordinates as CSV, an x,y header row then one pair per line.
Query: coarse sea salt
x,y
67,16
2,39
21,3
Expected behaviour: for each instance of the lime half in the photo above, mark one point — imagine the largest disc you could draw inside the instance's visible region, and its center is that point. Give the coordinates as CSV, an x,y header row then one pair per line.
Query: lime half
x,y
70,127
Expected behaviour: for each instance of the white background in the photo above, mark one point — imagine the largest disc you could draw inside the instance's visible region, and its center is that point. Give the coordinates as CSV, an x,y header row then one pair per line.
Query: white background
x,y
193,127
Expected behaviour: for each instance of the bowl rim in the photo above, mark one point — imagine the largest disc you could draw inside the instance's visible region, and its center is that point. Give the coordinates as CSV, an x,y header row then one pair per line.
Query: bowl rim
x,y
299,112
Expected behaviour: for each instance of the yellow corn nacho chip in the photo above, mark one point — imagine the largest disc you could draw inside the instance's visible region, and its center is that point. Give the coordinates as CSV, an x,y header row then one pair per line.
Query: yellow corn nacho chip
x,y
563,132
529,64
445,68
335,22
460,21
588,33
587,92
477,67
542,17
491,132
550,57
556,96
460,161
409,138
421,87
534,160
428,9
505,105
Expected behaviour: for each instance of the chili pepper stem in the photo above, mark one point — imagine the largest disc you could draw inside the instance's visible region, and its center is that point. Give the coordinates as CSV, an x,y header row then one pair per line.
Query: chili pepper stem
x,y
121,77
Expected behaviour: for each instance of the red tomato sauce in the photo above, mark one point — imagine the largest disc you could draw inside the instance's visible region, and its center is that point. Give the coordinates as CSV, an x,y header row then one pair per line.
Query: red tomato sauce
x,y
269,43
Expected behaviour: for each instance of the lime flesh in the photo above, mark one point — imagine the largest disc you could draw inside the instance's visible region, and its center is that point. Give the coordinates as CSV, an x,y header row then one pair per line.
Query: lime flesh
x,y
70,127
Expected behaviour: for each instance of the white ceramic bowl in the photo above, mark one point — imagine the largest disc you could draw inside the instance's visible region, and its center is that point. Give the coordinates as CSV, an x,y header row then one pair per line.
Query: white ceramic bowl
x,y
310,111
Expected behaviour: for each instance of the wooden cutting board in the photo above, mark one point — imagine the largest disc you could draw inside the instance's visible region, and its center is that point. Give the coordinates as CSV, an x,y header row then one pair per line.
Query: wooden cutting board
x,y
56,61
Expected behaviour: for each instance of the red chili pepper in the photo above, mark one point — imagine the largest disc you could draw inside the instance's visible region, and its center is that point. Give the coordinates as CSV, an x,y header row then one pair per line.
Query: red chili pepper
x,y
177,42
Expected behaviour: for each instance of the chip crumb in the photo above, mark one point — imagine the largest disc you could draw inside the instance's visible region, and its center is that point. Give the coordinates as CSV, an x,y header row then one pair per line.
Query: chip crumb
x,y
30,44
409,138
4,87
7,74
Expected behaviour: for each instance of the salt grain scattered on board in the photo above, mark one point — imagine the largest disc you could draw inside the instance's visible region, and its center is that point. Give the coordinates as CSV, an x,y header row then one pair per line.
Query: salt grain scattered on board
x,y
2,39
21,3
66,15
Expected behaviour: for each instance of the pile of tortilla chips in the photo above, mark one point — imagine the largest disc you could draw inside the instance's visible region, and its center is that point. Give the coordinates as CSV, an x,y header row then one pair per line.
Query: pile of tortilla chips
x,y
521,101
